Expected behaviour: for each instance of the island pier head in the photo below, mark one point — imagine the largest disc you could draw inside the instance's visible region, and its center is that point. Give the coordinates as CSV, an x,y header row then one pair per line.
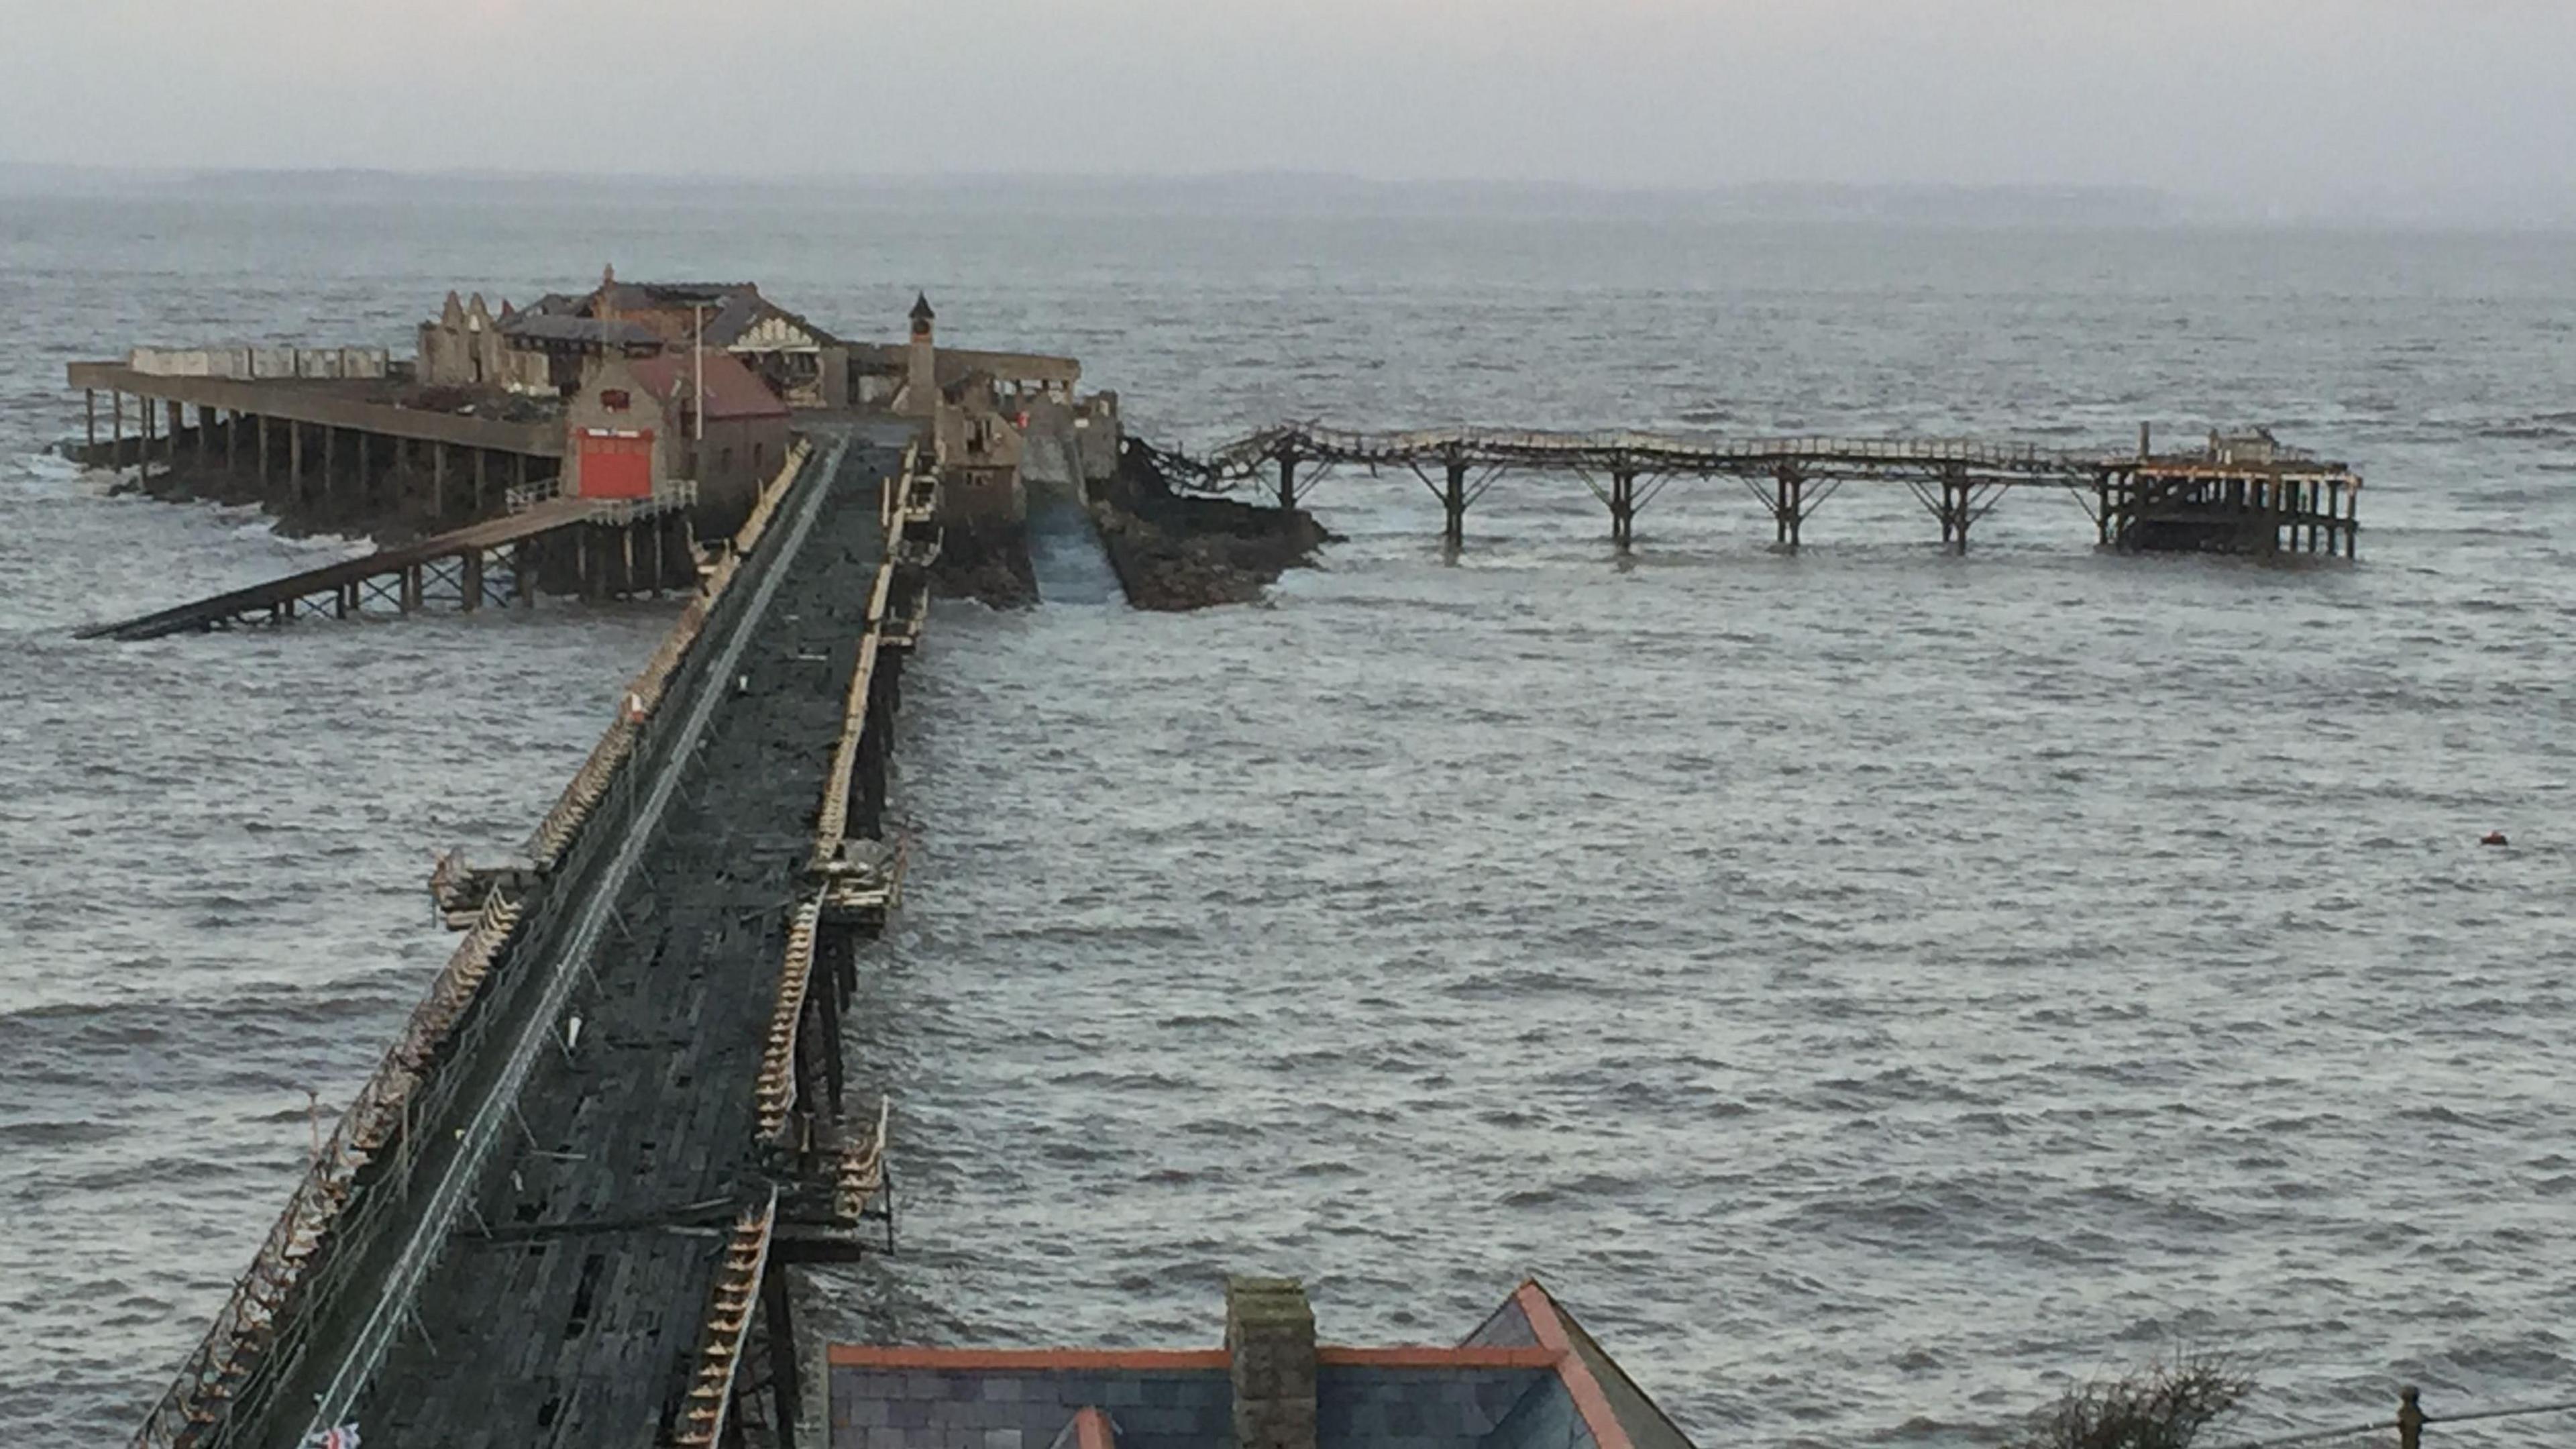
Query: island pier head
x,y
2239,493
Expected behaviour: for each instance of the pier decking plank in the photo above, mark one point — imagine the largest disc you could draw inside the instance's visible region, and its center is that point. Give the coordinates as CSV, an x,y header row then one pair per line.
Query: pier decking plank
x,y
573,1313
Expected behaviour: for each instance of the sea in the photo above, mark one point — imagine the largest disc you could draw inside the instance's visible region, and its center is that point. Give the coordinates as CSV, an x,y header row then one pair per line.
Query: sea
x,y
1876,989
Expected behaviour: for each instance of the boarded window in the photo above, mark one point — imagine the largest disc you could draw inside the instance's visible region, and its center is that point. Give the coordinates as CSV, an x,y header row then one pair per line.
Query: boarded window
x,y
616,400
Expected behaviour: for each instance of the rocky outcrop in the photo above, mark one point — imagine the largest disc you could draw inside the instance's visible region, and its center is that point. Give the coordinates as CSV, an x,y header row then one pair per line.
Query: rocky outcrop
x,y
986,561
1174,550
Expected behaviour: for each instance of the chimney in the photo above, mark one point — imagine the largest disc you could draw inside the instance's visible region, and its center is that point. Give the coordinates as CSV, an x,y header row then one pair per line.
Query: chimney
x,y
1270,1339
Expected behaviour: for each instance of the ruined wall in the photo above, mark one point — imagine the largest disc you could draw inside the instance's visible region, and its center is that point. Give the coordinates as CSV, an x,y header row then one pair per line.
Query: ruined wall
x,y
731,463
465,347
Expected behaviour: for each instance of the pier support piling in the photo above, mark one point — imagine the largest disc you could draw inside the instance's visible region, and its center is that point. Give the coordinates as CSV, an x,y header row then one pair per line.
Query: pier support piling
x,y
1788,502
89,420
1623,507
782,1354
1453,506
1287,482
116,437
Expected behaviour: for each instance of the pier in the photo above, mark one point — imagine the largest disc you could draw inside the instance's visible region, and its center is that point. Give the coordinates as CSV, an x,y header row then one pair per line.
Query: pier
x,y
2242,493
335,430
599,548
563,1207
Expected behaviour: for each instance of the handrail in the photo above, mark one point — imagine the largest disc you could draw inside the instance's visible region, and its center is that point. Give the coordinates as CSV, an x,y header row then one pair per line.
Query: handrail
x,y
738,1282
242,1325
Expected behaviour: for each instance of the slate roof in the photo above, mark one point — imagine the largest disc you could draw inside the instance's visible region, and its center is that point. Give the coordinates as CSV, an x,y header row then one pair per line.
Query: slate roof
x,y
1529,1378
563,327
733,391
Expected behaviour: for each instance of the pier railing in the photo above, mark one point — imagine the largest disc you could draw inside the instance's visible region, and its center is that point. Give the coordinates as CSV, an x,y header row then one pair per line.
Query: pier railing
x,y
2409,1423
259,1332
2233,495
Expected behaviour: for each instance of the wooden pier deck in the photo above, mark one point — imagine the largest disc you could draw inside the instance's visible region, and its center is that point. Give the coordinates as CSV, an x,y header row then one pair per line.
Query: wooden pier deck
x,y
2242,494
562,1209
467,568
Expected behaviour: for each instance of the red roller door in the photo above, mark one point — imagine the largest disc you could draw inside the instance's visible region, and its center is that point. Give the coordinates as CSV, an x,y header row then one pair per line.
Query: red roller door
x,y
616,464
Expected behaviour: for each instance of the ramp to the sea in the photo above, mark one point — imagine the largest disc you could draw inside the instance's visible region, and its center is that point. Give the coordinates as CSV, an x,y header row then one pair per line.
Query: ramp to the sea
x,y
2243,493
621,546
558,1212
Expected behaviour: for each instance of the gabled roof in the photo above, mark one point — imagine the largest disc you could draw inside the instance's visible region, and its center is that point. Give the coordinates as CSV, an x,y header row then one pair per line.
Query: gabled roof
x,y
1529,1378
733,391
535,326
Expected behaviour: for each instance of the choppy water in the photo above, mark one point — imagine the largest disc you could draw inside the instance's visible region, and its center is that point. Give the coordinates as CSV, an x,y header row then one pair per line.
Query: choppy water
x,y
1868,984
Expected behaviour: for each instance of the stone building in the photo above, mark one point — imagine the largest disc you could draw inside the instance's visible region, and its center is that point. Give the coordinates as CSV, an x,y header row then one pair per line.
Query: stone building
x,y
635,430
1528,1378
552,344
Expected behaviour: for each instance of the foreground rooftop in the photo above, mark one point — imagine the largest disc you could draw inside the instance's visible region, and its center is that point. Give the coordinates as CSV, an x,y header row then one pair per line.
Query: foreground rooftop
x,y
1528,1377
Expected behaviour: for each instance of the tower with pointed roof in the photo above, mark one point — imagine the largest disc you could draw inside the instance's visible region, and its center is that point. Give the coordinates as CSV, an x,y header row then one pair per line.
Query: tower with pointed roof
x,y
921,363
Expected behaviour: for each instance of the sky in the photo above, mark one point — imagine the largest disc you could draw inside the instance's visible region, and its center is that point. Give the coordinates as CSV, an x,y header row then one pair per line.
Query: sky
x,y
2308,100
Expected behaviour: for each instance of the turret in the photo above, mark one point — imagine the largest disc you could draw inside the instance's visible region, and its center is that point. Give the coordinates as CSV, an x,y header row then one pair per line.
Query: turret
x,y
921,365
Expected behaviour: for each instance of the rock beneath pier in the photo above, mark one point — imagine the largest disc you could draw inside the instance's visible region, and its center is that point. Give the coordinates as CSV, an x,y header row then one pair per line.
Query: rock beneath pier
x,y
1176,551
988,562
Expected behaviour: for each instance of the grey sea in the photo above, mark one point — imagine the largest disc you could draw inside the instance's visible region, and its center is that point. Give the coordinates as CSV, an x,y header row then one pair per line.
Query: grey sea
x,y
1874,987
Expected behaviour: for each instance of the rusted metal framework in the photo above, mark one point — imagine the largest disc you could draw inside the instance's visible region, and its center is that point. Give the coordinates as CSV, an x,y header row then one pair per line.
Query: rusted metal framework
x,y
2272,500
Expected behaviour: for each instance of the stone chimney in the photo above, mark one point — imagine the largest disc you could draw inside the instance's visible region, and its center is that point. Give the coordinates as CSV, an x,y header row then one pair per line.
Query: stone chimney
x,y
1270,1337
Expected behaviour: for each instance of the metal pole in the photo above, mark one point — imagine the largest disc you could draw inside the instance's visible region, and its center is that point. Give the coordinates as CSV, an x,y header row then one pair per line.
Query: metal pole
x,y
698,385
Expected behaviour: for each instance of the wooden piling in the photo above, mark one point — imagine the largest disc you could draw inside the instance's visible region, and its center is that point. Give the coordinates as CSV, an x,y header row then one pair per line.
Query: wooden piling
x,y
89,423
783,1367
1453,505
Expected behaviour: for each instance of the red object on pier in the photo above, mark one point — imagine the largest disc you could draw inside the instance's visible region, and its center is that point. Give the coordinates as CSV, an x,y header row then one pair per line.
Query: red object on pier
x,y
616,462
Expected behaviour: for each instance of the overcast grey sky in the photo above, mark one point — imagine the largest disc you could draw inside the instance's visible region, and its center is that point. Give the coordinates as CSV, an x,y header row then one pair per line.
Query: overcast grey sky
x,y
2305,98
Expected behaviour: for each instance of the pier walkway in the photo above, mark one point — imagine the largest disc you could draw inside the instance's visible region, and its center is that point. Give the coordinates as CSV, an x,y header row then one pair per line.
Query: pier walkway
x,y
561,1210
620,546
2240,494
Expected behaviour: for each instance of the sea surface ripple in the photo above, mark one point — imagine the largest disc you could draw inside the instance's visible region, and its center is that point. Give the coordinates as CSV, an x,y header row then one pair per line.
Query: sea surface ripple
x,y
1873,987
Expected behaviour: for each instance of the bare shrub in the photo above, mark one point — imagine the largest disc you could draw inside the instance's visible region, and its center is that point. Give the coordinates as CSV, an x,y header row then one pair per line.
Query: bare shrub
x,y
2162,1406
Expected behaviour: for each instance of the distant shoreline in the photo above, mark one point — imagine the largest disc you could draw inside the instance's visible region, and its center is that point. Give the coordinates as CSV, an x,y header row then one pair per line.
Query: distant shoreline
x,y
1330,194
